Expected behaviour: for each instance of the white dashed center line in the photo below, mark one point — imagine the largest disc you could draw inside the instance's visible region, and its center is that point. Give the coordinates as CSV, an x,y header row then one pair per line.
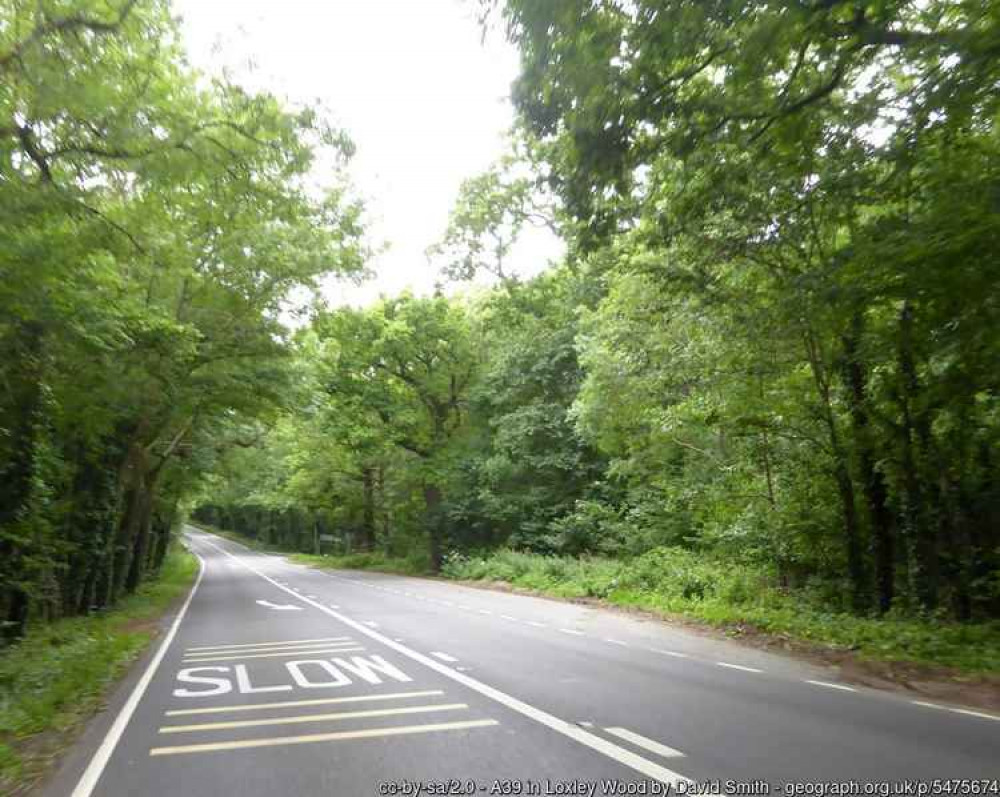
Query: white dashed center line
x,y
737,667
832,686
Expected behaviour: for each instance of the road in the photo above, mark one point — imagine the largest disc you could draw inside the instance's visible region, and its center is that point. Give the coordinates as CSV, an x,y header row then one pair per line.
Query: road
x,y
277,679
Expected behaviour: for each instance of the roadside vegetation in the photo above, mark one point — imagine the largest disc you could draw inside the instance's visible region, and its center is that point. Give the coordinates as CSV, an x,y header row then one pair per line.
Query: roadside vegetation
x,y
153,223
57,676
677,584
761,385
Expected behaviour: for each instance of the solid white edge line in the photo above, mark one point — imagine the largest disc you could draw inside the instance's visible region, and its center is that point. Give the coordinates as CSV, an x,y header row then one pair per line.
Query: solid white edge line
x,y
94,770
971,713
645,743
574,732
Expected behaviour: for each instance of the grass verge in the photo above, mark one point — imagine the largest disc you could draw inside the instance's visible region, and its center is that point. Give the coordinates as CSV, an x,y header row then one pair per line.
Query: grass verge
x,y
57,676
677,582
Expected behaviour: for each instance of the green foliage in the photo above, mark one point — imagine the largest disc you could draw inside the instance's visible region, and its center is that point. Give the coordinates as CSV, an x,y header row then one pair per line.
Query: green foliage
x,y
674,581
55,677
761,388
155,224
417,563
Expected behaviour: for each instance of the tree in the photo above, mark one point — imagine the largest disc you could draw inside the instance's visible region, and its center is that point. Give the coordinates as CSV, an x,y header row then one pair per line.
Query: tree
x,y
153,229
407,365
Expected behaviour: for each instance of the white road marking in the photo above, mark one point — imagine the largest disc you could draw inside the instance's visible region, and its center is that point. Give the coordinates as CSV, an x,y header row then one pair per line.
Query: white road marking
x,y
371,623
443,656
303,718
832,686
85,787
373,733
508,617
617,642
485,611
536,623
646,744
320,701
926,705
215,648
626,757
676,654
571,631
737,667
276,655
979,714
463,606
587,724
280,607
334,606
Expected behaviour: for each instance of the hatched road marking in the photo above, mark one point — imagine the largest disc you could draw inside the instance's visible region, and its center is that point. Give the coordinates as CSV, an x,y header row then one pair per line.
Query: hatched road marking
x,y
321,737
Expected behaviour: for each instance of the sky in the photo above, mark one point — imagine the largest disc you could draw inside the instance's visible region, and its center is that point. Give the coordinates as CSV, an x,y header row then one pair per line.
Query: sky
x,y
421,92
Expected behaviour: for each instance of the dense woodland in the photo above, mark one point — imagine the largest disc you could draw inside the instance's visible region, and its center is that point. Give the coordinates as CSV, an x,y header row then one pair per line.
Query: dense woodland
x,y
773,342
154,223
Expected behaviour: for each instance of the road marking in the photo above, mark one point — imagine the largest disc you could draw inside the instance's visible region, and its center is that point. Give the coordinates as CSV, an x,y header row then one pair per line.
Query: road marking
x,y
617,642
87,782
301,718
623,756
832,686
219,648
508,617
646,744
485,611
443,656
320,701
979,714
334,606
463,606
926,705
536,623
373,733
268,648
276,655
571,631
674,653
737,667
283,607
371,623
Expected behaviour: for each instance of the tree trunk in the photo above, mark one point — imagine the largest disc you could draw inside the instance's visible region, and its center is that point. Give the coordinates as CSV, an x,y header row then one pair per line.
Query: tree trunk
x,y
921,534
23,405
368,520
873,483
842,477
432,504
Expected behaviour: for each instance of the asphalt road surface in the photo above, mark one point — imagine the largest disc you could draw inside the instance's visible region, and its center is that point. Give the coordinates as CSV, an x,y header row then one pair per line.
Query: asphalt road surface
x,y
276,679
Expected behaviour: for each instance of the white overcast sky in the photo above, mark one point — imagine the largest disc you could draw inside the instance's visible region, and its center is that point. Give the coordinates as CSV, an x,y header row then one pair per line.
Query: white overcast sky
x,y
424,97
